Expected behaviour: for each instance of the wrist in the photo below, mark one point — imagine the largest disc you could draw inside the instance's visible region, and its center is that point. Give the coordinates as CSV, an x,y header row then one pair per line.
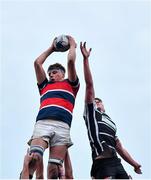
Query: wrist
x,y
51,49
72,46
136,166
85,58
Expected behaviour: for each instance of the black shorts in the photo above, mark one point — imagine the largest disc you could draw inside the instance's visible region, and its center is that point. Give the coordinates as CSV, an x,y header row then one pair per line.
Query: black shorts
x,y
108,167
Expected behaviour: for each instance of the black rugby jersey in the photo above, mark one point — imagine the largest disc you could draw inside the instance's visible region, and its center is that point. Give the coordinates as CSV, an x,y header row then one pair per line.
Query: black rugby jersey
x,y
101,131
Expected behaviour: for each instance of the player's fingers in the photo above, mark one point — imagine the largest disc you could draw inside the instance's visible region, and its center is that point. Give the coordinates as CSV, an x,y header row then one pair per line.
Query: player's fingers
x,y
81,45
90,50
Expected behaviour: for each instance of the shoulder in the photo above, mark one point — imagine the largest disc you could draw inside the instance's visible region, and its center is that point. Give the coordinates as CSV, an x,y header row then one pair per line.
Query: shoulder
x,y
75,83
109,118
43,84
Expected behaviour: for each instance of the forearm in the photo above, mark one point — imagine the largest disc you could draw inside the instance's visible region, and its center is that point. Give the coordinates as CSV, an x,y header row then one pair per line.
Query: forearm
x,y
25,173
69,174
39,170
68,167
41,59
87,73
127,157
72,75
40,73
72,55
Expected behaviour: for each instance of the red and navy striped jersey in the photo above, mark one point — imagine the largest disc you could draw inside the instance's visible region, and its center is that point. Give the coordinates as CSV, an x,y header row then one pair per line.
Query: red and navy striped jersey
x,y
101,131
57,100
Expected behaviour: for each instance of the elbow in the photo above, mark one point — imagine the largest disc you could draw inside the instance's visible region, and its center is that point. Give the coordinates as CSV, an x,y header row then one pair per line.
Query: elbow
x,y
118,146
89,85
36,63
71,62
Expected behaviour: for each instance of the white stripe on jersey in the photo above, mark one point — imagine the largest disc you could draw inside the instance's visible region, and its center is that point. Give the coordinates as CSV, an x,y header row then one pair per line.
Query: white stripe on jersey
x,y
101,122
62,90
89,131
108,145
109,122
96,126
106,134
97,129
112,147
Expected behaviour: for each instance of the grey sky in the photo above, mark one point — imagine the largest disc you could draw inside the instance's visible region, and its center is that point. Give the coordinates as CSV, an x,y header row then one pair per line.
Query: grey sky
x,y
118,33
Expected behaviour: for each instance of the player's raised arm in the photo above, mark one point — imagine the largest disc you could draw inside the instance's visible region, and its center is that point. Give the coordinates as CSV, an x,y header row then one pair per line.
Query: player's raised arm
x,y
40,73
89,95
72,75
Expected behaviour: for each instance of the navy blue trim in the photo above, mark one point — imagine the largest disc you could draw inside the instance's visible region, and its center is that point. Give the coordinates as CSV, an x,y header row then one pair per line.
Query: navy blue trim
x,y
36,151
55,113
58,94
43,84
73,83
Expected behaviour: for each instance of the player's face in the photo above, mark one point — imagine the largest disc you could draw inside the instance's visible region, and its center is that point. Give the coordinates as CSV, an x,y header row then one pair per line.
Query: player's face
x,y
100,106
56,75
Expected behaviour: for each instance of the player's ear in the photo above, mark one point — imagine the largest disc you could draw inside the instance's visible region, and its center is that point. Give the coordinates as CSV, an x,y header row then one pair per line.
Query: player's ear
x,y
63,74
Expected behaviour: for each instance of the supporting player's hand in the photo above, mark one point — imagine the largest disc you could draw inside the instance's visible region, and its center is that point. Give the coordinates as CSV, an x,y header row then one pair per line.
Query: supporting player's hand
x,y
28,158
61,172
137,169
85,52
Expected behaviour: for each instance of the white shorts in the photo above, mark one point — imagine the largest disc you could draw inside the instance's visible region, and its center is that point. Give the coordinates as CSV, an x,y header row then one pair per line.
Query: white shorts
x,y
53,132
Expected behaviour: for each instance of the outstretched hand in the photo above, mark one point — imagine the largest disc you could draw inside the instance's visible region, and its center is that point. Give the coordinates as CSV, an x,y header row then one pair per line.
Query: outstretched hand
x,y
137,169
85,52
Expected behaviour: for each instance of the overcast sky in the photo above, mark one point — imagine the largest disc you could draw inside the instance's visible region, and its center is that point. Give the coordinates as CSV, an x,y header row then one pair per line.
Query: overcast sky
x,y
118,33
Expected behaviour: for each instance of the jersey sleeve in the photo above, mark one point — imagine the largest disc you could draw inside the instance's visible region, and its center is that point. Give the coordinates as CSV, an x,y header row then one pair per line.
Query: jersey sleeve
x,y
42,85
75,85
89,107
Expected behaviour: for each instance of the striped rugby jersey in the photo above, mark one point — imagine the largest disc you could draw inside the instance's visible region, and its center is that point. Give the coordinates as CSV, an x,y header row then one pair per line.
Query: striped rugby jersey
x,y
57,100
101,131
